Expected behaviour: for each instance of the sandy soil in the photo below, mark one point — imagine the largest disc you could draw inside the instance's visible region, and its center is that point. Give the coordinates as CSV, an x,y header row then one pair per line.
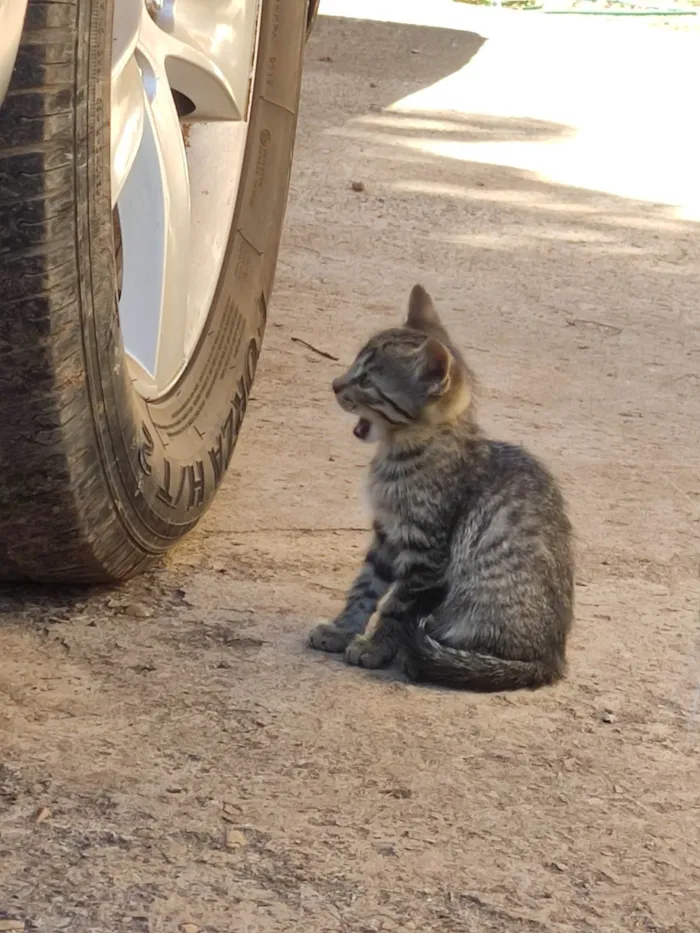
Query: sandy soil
x,y
172,757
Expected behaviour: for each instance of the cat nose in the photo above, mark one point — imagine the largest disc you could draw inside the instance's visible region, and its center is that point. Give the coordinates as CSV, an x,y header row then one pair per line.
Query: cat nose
x,y
337,385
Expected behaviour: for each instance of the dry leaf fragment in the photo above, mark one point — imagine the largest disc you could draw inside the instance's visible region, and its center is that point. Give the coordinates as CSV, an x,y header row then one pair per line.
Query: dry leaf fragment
x,y
42,814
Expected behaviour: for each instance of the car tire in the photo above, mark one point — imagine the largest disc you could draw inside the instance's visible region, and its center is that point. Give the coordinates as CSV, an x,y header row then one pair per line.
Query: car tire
x,y
95,481
312,16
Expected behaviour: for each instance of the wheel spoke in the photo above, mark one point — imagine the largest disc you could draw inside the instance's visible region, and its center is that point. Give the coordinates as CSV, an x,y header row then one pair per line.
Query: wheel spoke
x,y
208,54
156,242
127,93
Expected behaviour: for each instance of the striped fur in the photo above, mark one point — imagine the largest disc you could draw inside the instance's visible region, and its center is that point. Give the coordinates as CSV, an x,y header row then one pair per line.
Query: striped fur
x,y
472,554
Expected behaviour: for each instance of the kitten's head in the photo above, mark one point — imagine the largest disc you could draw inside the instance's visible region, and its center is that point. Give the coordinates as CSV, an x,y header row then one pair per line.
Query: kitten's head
x,y
406,377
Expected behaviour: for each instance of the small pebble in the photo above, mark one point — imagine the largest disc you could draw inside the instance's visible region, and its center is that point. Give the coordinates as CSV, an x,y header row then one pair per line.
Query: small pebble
x,y
357,186
137,611
235,839
386,850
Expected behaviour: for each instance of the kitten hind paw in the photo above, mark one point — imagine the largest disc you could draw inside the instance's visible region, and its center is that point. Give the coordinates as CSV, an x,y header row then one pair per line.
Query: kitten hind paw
x,y
365,651
412,670
328,637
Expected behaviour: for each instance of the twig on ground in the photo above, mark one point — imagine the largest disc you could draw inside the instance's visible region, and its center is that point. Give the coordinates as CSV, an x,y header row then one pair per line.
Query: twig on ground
x,y
614,331
310,346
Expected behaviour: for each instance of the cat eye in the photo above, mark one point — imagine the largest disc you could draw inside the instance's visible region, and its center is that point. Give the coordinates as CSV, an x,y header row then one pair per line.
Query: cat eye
x,y
363,380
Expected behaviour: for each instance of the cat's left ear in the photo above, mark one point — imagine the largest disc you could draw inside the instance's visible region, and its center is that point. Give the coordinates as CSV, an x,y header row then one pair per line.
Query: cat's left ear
x,y
436,366
421,312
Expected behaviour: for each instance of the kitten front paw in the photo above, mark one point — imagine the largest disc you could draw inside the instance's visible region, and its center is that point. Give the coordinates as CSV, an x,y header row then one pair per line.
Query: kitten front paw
x,y
365,651
328,637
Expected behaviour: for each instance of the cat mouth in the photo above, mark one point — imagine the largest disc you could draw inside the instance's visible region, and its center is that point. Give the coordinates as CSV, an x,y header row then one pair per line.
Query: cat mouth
x,y
362,429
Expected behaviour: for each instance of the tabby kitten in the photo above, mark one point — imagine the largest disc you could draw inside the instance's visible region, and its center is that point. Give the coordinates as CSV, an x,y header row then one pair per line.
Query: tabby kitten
x,y
472,553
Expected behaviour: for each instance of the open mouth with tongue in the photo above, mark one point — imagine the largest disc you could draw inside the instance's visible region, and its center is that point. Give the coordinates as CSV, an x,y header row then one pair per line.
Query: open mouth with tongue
x,y
362,429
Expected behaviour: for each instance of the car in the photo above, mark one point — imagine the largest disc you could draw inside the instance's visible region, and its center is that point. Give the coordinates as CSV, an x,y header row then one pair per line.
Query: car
x,y
145,156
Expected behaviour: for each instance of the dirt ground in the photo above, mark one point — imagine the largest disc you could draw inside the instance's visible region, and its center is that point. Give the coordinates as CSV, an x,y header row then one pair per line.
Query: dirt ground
x,y
172,757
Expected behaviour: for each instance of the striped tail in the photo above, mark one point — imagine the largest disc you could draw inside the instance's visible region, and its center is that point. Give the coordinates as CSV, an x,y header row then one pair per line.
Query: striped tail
x,y
427,660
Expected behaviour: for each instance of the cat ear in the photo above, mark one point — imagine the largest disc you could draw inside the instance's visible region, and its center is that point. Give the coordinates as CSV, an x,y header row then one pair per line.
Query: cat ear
x,y
421,311
436,363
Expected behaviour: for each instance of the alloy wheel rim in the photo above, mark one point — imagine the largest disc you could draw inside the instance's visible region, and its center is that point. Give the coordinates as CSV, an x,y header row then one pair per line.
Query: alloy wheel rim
x,y
182,74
